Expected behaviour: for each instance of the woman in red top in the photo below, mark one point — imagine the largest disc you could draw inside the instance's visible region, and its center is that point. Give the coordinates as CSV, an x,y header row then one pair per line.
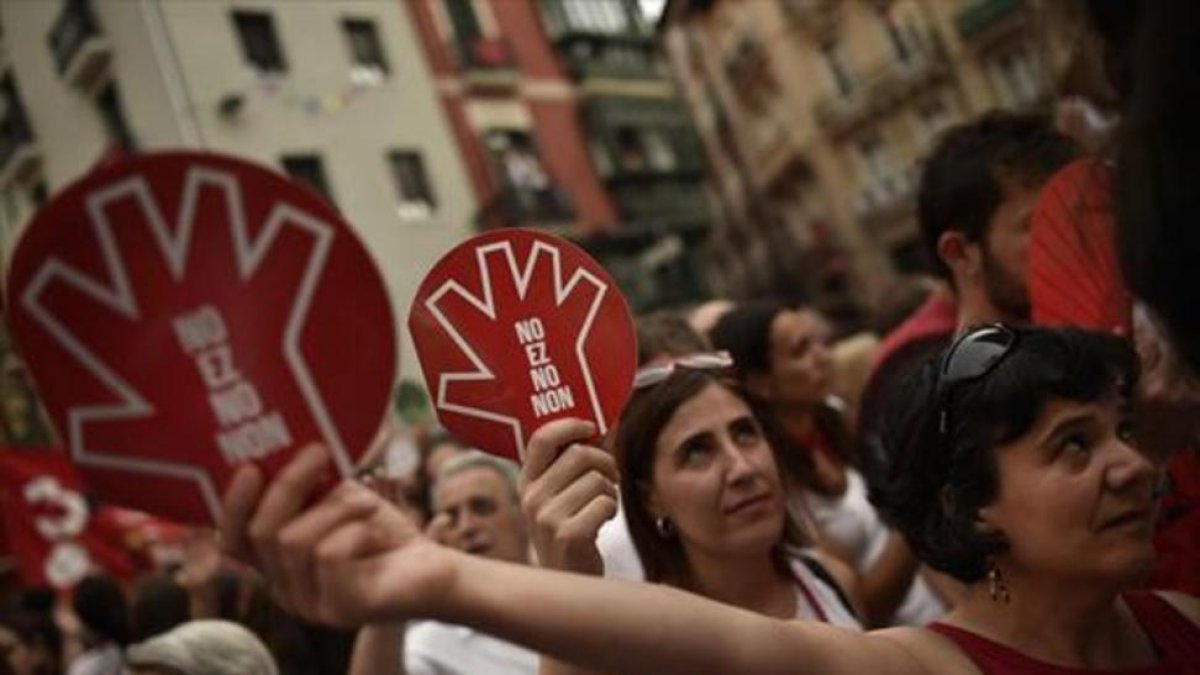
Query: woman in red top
x,y
1016,472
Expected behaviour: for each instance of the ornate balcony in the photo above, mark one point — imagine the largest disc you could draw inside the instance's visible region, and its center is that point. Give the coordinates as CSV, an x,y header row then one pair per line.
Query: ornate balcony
x,y
883,89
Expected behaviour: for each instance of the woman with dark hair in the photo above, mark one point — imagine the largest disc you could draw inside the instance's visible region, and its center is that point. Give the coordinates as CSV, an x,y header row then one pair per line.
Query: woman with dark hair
x,y
1032,494
701,491
703,500
780,354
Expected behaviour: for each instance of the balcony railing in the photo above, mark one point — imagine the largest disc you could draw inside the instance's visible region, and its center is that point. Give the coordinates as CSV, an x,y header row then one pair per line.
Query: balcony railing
x,y
80,51
486,53
881,90
518,206
978,17
487,62
615,55
881,204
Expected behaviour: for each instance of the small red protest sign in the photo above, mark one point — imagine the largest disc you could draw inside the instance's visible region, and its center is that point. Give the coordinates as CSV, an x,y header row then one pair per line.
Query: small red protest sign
x,y
514,329
50,529
181,313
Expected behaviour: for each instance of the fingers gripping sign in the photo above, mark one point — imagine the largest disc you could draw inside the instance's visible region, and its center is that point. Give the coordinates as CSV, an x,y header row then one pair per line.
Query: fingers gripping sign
x,y
568,490
515,329
183,313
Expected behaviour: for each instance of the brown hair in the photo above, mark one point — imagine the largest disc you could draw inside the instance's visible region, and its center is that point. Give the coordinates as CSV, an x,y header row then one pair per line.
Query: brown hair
x,y
644,418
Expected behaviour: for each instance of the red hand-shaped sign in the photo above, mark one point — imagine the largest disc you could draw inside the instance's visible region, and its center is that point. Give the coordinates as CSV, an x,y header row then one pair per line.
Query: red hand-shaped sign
x,y
514,329
181,313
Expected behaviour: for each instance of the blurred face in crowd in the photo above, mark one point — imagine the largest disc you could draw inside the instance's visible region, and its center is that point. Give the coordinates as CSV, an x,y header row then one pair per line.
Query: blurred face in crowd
x,y
1004,253
715,478
801,368
22,658
438,456
1076,496
484,516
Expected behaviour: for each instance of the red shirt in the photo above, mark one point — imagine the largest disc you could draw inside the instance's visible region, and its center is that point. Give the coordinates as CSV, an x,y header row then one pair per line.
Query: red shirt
x,y
1176,639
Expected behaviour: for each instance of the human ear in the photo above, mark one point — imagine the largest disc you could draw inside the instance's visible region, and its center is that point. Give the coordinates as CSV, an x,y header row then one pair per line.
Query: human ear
x,y
650,500
985,522
959,254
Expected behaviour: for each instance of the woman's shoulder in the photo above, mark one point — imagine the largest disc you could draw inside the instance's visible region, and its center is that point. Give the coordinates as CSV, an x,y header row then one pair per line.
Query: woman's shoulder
x,y
929,651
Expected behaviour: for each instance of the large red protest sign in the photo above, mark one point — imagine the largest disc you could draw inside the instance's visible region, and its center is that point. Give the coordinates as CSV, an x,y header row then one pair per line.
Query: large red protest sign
x,y
516,328
181,313
49,526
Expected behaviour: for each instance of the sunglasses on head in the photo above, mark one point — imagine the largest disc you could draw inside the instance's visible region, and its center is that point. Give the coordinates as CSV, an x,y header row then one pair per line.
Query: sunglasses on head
x,y
655,373
972,356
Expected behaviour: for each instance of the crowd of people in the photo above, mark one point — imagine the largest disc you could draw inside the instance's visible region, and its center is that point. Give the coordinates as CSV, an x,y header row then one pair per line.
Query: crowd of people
x,y
969,486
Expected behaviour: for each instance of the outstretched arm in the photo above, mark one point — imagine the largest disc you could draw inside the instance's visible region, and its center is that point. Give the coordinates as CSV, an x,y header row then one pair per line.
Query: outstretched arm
x,y
619,626
353,559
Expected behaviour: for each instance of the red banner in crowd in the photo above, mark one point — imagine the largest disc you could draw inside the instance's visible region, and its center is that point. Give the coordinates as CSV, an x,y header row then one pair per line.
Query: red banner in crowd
x,y
514,329
48,524
182,313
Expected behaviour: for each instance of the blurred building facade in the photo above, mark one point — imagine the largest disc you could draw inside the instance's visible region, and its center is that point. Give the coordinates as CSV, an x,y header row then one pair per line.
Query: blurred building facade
x,y
567,120
336,94
815,114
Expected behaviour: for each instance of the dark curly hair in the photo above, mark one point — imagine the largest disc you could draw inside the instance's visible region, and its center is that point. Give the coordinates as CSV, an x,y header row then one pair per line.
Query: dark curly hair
x,y
938,482
961,182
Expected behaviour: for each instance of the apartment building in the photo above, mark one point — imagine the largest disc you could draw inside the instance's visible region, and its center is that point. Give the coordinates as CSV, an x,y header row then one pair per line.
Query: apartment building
x,y
566,120
336,94
815,115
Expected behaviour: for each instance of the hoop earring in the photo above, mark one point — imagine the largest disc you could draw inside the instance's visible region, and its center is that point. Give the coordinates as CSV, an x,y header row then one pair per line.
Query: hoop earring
x,y
666,529
997,589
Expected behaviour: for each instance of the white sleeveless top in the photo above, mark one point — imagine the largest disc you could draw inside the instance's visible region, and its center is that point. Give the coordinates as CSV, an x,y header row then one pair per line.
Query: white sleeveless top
x,y
816,600
850,521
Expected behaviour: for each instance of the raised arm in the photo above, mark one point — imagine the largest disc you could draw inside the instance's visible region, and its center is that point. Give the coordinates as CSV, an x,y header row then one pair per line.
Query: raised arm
x,y
568,491
353,559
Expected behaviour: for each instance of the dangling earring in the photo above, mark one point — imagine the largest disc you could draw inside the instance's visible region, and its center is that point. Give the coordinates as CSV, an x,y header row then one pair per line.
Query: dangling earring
x,y
666,529
997,589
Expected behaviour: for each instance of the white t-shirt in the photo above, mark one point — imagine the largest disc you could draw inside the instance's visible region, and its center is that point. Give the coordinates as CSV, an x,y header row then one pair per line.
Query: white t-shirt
x,y
852,523
620,558
103,660
434,648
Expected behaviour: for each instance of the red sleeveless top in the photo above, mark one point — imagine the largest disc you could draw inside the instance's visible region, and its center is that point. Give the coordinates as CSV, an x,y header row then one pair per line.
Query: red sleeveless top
x,y
1175,637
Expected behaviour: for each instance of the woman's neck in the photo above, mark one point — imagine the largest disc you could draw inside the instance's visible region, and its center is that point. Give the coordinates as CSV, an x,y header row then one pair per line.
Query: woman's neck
x,y
1059,621
750,582
800,424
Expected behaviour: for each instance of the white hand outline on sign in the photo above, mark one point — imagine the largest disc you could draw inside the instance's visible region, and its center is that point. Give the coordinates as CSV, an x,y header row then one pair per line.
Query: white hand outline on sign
x,y
487,307
116,294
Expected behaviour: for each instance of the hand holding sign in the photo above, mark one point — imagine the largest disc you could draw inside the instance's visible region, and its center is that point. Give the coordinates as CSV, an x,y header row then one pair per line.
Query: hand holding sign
x,y
515,329
182,313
